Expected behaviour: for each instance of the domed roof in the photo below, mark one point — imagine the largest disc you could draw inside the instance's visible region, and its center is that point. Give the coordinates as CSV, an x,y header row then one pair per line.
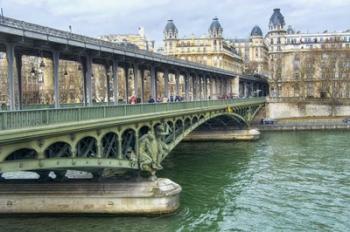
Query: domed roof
x,y
290,30
215,26
277,19
256,31
170,27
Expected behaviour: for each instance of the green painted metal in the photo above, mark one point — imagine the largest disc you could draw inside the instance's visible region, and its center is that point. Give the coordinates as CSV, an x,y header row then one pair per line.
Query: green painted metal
x,y
40,117
106,137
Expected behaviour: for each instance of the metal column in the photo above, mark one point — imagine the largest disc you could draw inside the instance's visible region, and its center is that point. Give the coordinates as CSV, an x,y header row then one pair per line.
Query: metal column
x,y
126,76
115,81
136,79
56,66
166,83
153,83
177,86
195,87
187,95
88,81
205,88
18,58
142,72
10,54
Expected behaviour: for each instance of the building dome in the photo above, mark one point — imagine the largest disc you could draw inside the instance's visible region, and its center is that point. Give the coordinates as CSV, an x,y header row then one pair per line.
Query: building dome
x,y
277,20
256,31
290,30
215,29
170,30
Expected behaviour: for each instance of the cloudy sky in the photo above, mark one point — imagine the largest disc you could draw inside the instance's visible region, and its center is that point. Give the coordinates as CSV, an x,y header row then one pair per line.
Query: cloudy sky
x,y
99,17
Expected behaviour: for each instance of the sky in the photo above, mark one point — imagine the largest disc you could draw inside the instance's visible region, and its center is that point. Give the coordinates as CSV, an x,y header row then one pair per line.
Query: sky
x,y
192,17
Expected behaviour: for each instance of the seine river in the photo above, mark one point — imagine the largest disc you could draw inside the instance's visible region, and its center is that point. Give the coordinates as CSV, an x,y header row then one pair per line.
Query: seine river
x,y
291,181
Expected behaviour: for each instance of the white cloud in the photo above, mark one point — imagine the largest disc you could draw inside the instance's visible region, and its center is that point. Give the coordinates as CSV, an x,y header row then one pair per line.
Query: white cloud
x,y
95,17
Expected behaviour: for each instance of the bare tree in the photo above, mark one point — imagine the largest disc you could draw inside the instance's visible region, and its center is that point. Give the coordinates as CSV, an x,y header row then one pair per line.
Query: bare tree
x,y
251,67
335,72
324,73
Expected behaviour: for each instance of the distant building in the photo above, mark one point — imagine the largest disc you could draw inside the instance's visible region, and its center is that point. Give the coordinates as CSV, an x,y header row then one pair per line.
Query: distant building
x,y
309,72
253,51
212,49
139,40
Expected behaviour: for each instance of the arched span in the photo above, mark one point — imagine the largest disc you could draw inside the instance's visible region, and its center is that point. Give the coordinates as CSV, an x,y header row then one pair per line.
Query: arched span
x,y
234,115
191,128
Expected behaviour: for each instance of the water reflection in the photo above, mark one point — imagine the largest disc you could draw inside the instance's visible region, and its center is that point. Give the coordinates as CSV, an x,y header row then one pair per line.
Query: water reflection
x,y
284,182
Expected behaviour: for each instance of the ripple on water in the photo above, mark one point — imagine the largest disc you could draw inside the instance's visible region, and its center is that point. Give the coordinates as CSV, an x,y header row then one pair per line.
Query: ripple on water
x,y
297,181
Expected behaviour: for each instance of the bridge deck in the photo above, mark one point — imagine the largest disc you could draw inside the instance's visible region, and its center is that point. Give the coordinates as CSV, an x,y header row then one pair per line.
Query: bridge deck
x,y
10,120
95,138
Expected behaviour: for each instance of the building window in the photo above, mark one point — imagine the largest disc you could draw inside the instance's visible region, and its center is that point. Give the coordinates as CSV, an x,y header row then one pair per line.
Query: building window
x,y
310,89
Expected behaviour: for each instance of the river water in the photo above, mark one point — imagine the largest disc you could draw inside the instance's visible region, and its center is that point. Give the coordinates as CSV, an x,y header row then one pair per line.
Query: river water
x,y
290,181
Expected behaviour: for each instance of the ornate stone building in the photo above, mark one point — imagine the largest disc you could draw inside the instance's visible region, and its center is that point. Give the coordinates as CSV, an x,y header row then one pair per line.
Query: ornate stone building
x,y
140,39
309,72
253,51
212,49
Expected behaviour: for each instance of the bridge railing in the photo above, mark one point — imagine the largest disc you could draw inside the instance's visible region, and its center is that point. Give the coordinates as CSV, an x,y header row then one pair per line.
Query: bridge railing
x,y
42,117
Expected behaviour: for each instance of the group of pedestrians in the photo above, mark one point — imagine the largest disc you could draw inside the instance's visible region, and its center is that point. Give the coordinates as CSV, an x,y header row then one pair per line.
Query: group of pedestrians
x,y
165,99
135,100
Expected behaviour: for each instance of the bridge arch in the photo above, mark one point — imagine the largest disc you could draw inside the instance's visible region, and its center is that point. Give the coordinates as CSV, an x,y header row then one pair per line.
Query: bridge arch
x,y
110,145
194,120
179,127
128,139
171,129
144,129
192,127
87,147
22,154
58,149
187,123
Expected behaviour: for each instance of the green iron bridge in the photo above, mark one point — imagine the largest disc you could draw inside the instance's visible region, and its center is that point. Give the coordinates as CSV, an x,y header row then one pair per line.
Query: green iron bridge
x,y
107,138
100,135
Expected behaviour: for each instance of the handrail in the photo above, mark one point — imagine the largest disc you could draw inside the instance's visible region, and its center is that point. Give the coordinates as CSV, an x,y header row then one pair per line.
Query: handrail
x,y
43,117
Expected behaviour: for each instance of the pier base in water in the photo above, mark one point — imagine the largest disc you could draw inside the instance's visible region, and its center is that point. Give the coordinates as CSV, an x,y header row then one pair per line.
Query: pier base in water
x,y
135,197
223,135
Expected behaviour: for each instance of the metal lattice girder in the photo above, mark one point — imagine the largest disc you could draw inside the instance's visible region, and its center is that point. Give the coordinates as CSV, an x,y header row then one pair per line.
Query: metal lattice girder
x,y
58,150
110,145
87,147
22,154
179,128
10,120
170,136
128,143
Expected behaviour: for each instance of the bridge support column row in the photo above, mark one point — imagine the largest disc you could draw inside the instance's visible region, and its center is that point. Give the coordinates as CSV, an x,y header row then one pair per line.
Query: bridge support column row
x,y
194,87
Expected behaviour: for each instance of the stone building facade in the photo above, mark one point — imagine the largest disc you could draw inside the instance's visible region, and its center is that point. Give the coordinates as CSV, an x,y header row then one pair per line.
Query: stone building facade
x,y
212,49
139,40
309,72
253,51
